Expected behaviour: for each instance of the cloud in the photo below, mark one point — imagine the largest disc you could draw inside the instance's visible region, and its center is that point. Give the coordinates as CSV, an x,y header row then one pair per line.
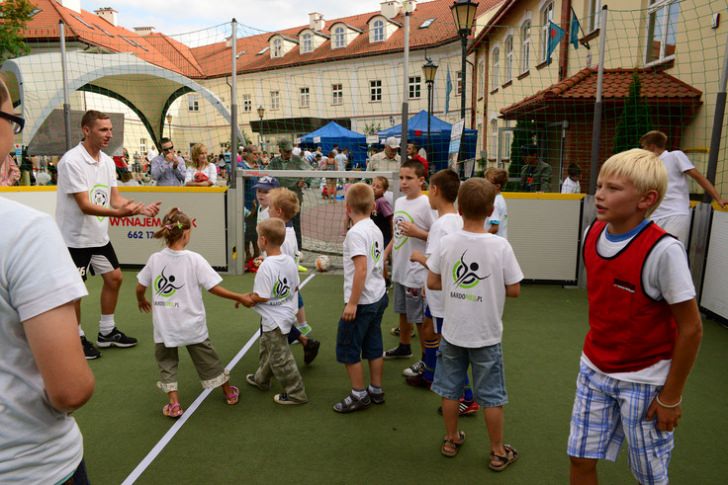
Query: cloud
x,y
180,16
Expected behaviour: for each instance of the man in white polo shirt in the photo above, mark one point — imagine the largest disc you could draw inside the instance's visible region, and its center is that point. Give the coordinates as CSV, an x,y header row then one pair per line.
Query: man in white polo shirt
x,y
86,197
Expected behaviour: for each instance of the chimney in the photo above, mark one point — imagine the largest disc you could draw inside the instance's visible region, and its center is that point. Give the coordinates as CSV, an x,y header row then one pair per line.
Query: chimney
x,y
74,5
144,31
108,14
391,8
316,21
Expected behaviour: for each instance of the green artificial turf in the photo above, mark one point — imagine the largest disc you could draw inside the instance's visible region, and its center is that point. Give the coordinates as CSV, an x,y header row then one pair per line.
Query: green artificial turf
x,y
259,441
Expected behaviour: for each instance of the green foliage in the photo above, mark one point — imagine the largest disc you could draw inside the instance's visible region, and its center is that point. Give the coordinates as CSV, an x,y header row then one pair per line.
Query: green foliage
x,y
522,135
634,121
14,14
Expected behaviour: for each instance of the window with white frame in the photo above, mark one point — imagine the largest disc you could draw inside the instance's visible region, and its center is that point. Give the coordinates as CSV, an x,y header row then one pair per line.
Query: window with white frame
x,y
247,103
277,48
193,102
415,87
337,94
495,68
304,97
481,77
458,83
143,146
525,45
595,7
275,100
661,30
547,15
307,43
339,37
508,68
493,148
378,30
507,140
375,91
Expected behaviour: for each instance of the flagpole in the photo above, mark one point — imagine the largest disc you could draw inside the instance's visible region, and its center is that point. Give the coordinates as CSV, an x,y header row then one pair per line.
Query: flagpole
x,y
597,123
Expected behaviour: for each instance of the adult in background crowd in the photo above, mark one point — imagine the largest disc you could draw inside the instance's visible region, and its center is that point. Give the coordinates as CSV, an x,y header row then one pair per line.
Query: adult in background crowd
x,y
168,169
387,160
535,174
414,154
251,154
288,161
200,173
43,375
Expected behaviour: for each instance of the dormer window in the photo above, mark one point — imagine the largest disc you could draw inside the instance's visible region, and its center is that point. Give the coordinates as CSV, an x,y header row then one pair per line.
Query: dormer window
x,y
306,43
339,37
280,45
378,31
277,48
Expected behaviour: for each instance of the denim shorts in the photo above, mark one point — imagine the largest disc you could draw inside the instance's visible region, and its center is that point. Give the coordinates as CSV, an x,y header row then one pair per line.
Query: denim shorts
x,y
361,338
489,383
409,301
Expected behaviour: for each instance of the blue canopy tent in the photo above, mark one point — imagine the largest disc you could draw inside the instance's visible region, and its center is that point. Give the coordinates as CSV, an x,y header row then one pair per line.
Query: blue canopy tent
x,y
439,135
334,134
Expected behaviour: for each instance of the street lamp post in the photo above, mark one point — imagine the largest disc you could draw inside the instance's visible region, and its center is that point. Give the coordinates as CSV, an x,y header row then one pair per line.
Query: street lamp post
x,y
429,70
261,113
169,125
463,12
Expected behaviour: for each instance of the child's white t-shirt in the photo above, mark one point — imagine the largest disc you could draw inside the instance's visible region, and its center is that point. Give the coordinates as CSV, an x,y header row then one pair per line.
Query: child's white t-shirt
x,y
262,214
447,224
175,278
499,216
418,211
677,197
290,245
475,269
665,275
365,239
277,280
570,186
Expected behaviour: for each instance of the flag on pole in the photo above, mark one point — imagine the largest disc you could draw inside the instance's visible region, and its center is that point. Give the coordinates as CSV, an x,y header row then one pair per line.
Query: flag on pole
x,y
574,29
556,33
448,90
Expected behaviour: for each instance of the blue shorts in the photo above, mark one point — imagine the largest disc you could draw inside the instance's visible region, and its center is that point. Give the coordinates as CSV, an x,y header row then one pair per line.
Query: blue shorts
x,y
451,372
300,300
605,411
361,338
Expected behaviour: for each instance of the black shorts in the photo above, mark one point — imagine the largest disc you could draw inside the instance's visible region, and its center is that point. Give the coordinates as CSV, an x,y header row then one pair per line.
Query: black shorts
x,y
100,260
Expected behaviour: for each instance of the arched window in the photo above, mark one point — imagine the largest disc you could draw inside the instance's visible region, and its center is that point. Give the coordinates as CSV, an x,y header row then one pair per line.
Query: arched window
x,y
525,45
307,43
495,68
378,30
508,71
277,48
339,38
547,15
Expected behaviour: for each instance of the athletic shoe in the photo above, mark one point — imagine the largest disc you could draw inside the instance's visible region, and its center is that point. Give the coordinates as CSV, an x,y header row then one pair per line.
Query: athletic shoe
x,y
351,403
465,408
376,398
395,332
398,352
116,339
89,350
310,350
415,369
418,381
305,329
283,398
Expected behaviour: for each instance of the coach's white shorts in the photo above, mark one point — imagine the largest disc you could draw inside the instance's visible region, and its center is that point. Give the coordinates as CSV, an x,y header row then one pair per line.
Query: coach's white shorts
x,y
677,225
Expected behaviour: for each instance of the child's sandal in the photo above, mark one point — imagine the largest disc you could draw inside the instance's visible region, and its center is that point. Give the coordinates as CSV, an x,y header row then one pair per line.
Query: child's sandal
x,y
499,463
172,410
450,448
234,396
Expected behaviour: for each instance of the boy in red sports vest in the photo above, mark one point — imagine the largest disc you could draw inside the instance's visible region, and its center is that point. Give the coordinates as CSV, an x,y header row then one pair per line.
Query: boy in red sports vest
x,y
644,327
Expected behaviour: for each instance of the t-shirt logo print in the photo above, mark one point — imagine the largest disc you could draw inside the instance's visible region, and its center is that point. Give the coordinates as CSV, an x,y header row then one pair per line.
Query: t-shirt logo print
x,y
399,238
164,285
281,289
98,195
376,252
465,275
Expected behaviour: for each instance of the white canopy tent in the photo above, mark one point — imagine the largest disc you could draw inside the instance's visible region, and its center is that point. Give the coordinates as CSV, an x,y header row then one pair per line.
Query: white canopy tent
x,y
146,89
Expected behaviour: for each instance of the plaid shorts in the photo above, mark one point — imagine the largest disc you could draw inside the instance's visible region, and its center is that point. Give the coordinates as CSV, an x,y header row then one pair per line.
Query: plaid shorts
x,y
607,410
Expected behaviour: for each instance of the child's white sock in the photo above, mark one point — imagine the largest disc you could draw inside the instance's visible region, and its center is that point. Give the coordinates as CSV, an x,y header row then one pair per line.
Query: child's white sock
x,y
106,324
80,332
359,393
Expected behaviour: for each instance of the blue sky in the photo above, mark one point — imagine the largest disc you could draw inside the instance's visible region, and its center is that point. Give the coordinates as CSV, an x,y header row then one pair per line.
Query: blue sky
x,y
180,16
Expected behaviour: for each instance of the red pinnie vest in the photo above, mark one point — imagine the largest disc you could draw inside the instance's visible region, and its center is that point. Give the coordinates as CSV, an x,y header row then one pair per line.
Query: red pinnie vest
x,y
628,330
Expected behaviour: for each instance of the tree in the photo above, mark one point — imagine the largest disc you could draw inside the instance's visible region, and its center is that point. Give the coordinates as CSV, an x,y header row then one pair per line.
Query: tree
x,y
14,15
634,121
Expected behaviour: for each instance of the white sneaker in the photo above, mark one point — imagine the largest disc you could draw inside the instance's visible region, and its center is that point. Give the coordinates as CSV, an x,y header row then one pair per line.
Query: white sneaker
x,y
415,369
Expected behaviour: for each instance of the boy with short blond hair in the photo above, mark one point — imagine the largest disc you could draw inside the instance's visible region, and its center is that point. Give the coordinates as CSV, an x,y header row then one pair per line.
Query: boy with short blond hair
x,y
644,327
412,220
284,204
497,222
274,298
365,297
475,270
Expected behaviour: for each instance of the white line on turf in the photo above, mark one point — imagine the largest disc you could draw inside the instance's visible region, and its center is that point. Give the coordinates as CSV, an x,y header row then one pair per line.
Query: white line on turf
x,y
162,443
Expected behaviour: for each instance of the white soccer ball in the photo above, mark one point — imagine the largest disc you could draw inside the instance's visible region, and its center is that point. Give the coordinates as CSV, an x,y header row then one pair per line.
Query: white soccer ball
x,y
322,263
